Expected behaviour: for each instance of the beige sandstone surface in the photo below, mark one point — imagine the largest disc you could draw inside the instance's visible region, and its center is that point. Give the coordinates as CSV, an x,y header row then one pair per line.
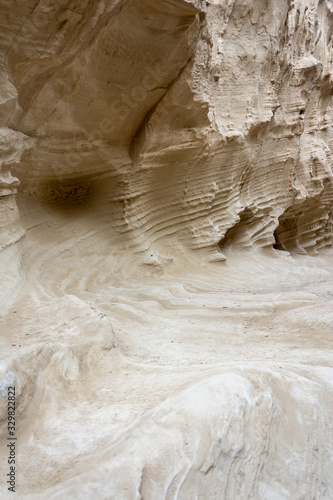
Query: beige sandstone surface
x,y
166,195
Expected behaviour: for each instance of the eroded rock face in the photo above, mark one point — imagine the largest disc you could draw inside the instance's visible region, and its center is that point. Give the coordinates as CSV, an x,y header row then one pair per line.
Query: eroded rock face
x,y
198,113
142,143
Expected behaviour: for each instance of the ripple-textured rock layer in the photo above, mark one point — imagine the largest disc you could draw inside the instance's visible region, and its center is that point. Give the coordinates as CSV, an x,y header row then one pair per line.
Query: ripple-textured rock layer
x,y
166,196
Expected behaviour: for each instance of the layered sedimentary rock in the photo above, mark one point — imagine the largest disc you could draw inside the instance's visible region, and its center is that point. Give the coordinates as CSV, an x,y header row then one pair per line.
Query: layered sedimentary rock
x,y
142,144
224,110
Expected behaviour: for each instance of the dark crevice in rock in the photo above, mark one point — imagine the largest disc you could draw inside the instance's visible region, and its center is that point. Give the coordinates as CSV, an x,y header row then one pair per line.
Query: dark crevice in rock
x,y
246,217
305,228
139,135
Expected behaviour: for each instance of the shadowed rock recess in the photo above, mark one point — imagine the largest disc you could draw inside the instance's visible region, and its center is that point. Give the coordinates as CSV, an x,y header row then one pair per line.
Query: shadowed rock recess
x,y
166,225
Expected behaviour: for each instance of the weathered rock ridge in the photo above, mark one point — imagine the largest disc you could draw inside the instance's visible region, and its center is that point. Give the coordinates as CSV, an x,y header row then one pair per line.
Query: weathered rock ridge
x,y
166,194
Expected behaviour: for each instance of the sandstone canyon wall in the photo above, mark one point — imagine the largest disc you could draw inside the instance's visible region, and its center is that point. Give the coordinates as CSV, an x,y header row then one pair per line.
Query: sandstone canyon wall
x,y
166,218
210,123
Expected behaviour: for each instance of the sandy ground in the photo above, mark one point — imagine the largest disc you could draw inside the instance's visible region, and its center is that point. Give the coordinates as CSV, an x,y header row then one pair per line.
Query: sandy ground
x,y
101,347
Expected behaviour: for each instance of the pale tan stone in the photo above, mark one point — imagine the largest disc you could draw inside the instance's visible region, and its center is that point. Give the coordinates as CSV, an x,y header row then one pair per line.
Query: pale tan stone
x,y
166,199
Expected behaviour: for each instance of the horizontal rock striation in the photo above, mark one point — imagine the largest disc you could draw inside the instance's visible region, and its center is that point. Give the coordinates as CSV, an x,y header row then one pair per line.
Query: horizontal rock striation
x,y
165,182
194,113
